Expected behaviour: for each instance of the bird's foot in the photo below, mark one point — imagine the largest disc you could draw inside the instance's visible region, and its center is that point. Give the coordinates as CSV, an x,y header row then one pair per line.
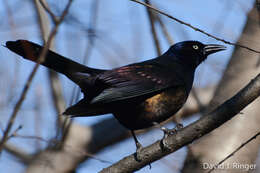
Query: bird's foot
x,y
168,132
179,126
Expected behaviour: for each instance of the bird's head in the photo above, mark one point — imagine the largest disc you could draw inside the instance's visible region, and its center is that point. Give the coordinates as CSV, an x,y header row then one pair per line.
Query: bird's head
x,y
193,52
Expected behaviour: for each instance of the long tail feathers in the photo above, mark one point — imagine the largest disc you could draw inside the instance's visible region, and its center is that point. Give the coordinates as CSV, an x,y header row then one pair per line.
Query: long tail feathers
x,y
73,70
54,61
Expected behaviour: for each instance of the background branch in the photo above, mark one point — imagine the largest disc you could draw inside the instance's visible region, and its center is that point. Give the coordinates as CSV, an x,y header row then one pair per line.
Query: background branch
x,y
197,29
153,30
29,81
234,152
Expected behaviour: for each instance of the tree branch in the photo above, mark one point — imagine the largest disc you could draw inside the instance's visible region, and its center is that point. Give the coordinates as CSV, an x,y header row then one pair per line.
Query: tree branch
x,y
153,30
29,81
164,30
187,135
47,9
18,153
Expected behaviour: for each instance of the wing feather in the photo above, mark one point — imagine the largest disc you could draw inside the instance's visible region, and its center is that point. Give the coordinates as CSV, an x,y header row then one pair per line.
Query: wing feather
x,y
136,80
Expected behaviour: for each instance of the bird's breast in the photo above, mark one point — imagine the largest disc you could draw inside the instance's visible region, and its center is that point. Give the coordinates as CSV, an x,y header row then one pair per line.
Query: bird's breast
x,y
165,104
154,109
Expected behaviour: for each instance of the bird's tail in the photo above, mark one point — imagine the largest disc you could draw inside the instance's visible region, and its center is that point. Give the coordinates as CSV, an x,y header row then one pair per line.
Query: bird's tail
x,y
54,61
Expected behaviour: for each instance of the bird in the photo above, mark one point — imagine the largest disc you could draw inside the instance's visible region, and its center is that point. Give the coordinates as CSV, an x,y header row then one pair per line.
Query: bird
x,y
139,95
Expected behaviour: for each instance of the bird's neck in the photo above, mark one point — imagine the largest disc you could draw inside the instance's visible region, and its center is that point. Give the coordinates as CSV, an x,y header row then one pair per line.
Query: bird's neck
x,y
184,60
184,71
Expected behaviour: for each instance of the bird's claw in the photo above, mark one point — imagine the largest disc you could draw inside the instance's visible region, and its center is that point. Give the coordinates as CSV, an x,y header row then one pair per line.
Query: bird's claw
x,y
179,126
168,132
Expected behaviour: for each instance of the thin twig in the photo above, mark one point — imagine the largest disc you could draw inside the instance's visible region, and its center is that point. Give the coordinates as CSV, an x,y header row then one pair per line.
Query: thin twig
x,y
46,7
66,146
164,30
15,131
153,30
22,155
91,31
234,152
91,37
195,28
55,84
29,81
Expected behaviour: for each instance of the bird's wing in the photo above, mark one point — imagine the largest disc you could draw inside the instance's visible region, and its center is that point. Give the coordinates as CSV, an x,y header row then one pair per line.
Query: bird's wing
x,y
135,81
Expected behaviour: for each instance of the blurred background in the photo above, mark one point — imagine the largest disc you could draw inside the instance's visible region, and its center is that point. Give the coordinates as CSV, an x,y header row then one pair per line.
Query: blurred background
x,y
107,34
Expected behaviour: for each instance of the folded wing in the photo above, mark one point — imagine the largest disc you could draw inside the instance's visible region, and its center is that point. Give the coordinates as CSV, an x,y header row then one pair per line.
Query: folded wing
x,y
137,81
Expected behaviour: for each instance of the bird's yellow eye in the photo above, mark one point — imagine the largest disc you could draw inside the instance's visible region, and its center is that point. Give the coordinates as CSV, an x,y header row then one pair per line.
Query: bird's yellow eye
x,y
196,47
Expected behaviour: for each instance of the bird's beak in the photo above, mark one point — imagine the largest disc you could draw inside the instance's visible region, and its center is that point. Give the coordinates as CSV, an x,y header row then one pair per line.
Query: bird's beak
x,y
213,48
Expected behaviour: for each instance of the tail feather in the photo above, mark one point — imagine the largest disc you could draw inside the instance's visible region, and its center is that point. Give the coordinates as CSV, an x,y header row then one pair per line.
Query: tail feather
x,y
80,74
54,61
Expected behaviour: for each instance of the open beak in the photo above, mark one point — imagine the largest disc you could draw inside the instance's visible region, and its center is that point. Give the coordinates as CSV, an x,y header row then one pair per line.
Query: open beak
x,y
213,48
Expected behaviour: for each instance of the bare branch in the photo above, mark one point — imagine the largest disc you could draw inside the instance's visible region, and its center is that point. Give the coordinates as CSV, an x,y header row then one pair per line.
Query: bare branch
x,y
19,153
54,142
164,30
152,24
55,84
197,29
194,131
29,81
91,33
46,7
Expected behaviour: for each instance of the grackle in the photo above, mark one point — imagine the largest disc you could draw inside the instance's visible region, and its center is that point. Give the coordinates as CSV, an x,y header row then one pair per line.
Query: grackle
x,y
139,95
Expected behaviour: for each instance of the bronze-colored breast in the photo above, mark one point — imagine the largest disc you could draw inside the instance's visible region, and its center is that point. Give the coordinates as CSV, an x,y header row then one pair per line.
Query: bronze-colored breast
x,y
154,109
165,104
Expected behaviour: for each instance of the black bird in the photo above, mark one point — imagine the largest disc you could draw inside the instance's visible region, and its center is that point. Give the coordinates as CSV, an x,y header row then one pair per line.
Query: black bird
x,y
139,95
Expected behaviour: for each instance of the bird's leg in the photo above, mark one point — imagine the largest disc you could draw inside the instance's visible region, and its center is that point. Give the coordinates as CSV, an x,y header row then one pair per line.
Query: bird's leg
x,y
137,143
138,146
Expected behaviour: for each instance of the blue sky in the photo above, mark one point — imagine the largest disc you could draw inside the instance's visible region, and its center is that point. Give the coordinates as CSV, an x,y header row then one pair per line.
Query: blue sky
x,y
123,37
